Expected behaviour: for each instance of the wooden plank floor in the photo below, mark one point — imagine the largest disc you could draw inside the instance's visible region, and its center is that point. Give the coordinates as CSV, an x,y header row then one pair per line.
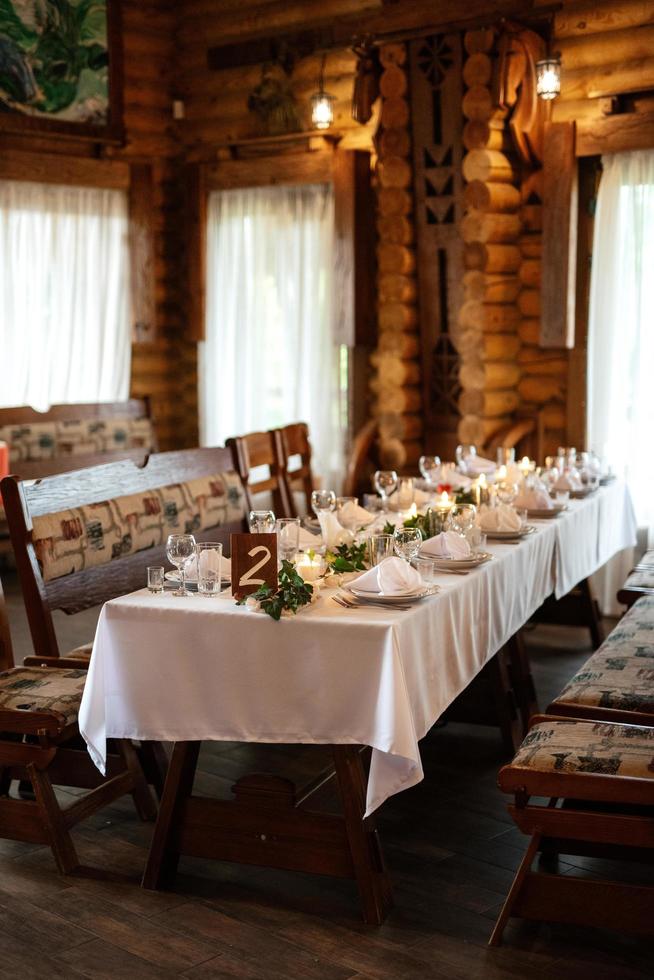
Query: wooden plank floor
x,y
450,846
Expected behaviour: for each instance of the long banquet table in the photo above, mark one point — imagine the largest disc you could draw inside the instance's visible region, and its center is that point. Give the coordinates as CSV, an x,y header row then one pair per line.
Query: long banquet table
x,y
198,669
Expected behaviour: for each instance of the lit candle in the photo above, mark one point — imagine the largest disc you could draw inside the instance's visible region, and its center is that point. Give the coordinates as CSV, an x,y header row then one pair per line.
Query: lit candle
x,y
480,490
501,473
525,465
308,568
444,501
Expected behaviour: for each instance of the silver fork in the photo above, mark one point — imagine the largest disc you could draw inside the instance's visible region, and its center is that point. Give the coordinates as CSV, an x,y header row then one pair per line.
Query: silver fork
x,y
352,604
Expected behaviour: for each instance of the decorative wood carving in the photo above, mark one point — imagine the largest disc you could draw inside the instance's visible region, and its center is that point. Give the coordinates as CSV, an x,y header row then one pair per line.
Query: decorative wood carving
x,y
436,85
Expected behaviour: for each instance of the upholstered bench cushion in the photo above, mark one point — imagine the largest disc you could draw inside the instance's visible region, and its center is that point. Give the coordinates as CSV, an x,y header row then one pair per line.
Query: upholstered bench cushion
x,y
583,758
620,675
35,441
44,689
95,534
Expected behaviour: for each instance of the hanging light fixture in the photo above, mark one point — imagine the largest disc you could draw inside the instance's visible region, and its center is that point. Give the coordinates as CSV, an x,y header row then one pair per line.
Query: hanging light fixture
x,y
322,104
548,77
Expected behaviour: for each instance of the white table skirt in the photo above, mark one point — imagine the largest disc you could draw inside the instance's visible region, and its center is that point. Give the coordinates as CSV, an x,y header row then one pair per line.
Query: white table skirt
x,y
174,670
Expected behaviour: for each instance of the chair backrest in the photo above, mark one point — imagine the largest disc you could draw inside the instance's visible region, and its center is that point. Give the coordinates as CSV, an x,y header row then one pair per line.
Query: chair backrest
x,y
257,450
76,436
6,652
84,537
362,460
525,435
292,442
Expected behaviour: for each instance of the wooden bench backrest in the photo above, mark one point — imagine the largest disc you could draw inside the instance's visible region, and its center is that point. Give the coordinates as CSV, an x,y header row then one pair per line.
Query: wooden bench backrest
x,y
6,652
293,440
92,586
134,408
252,451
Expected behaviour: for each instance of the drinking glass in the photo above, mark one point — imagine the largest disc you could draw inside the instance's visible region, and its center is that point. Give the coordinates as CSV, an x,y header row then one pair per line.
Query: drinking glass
x,y
210,562
505,456
407,541
342,508
288,537
523,514
465,457
429,466
405,493
322,500
155,579
461,518
179,548
506,491
428,569
262,522
371,502
385,482
380,546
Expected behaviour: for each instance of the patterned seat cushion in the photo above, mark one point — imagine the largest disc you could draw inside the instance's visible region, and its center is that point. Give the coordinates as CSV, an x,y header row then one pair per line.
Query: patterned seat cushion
x,y
620,675
35,441
578,747
84,537
45,689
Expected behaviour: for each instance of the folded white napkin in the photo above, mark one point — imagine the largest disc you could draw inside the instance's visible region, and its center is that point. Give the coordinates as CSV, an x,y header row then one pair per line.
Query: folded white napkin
x,y
393,576
333,533
568,482
209,560
479,464
500,518
534,498
447,544
356,515
448,475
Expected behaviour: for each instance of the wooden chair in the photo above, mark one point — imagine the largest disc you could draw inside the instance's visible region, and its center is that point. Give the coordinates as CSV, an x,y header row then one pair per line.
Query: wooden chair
x,y
525,435
259,449
6,652
38,721
598,783
615,684
640,581
292,441
84,537
362,460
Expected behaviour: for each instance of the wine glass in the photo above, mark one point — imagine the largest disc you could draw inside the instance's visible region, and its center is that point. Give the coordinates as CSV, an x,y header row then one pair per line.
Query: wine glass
x,y
322,500
429,467
465,457
262,522
385,482
179,548
407,541
346,512
288,537
462,519
507,492
405,492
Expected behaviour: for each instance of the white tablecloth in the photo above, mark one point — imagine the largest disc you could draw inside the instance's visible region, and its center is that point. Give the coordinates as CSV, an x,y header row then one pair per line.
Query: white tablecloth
x,y
172,670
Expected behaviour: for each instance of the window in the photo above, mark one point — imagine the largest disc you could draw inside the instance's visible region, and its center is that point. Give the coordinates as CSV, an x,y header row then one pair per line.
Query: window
x,y
621,325
270,357
64,297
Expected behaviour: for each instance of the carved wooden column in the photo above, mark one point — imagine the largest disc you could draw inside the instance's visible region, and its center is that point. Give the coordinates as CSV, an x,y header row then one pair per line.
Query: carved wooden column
x,y
396,381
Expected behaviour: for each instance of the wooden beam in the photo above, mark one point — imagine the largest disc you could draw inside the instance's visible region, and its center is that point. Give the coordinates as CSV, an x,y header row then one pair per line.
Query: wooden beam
x,y
599,16
142,214
77,171
559,236
195,194
612,134
286,168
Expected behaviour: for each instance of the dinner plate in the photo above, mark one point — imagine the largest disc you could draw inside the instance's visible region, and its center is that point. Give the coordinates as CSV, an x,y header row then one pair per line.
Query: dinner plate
x,y
510,535
542,513
391,600
460,564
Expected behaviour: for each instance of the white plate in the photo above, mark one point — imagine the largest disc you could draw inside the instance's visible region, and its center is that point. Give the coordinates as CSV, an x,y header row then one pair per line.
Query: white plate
x,y
510,535
460,564
542,514
392,599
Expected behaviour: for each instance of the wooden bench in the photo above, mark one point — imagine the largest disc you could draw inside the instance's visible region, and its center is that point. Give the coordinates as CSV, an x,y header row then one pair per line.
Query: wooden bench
x,y
617,682
640,581
597,781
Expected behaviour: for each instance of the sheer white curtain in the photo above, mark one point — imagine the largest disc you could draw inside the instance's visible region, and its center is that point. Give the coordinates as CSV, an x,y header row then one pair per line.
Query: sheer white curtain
x,y
64,298
270,356
621,332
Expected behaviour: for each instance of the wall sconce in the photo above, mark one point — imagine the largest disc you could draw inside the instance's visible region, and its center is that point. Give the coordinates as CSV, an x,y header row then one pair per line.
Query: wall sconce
x,y
322,104
548,77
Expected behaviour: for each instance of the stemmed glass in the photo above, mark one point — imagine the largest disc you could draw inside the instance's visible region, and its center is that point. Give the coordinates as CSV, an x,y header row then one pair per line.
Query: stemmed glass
x,y
179,548
346,512
465,457
462,519
429,467
507,492
385,482
407,541
262,522
322,500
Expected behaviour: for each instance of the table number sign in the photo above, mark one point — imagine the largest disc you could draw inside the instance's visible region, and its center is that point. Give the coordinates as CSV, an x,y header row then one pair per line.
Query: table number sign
x,y
254,563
